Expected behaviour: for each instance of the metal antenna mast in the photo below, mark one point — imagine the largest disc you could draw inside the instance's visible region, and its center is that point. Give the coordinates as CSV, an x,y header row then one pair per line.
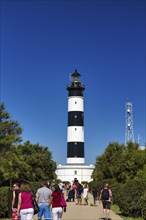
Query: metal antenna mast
x,y
129,135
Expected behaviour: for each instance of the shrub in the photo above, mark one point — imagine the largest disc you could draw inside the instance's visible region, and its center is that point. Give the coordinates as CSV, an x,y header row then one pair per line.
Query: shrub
x,y
5,201
129,198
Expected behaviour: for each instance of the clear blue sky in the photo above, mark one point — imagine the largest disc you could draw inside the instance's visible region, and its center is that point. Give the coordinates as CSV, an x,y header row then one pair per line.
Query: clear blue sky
x,y
43,42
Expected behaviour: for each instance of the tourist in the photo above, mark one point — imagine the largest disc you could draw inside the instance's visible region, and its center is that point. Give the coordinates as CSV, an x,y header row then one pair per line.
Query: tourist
x,y
15,196
68,186
79,191
57,209
85,194
43,196
95,196
106,198
25,206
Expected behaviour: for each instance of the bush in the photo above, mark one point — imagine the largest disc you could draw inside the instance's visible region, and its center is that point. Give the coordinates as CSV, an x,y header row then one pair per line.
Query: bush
x,y
5,201
129,198
34,186
99,185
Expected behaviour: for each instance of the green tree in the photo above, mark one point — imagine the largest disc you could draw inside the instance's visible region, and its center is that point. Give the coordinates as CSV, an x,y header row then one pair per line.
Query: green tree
x,y
10,131
40,161
108,165
120,162
29,162
134,160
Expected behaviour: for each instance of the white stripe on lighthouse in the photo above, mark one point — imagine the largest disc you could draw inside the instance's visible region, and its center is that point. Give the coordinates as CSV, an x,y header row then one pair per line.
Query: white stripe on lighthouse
x,y
75,103
75,160
75,134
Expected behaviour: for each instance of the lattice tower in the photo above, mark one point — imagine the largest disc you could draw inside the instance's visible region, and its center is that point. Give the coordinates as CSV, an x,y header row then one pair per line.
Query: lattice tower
x,y
129,134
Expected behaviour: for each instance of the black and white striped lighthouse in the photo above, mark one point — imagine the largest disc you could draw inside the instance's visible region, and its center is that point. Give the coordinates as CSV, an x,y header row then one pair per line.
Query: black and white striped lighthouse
x,y
75,167
75,130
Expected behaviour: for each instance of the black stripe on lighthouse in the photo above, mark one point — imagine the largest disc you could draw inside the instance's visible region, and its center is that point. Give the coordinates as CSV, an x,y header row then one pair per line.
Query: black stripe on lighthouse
x,y
75,118
75,92
75,149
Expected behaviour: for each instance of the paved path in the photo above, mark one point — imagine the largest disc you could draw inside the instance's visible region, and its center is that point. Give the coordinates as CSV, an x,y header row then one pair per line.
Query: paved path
x,y
81,212
84,212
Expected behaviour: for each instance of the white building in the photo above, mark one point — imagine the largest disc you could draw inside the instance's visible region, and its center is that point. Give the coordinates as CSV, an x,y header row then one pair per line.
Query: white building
x,y
69,172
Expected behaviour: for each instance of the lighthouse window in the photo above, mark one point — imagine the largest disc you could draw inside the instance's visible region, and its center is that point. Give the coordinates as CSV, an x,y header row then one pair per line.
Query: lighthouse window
x,y
75,172
75,102
75,129
75,143
75,116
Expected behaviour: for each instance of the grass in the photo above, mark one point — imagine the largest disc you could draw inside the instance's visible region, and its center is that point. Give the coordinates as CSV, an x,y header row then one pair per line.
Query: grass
x,y
116,209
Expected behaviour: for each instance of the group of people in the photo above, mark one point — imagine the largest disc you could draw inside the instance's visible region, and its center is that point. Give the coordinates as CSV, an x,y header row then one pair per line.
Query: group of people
x,y
49,202
81,192
78,191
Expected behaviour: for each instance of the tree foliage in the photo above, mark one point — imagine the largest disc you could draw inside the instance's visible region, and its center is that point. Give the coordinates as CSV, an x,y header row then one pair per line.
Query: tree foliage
x,y
29,162
134,194
122,162
10,131
124,168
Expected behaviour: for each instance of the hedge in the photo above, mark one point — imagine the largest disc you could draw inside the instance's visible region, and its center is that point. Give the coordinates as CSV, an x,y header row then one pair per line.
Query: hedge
x,y
130,197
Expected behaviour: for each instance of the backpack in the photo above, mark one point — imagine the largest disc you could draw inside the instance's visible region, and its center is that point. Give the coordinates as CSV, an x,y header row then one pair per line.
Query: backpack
x,y
81,190
105,194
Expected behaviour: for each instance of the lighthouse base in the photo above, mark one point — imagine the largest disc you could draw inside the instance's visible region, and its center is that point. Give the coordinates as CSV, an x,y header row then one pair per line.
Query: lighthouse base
x,y
69,172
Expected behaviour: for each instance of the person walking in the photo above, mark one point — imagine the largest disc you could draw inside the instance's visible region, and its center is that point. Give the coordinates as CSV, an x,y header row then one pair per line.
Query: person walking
x,y
68,187
85,194
79,191
95,196
43,196
71,195
15,195
106,198
25,206
57,209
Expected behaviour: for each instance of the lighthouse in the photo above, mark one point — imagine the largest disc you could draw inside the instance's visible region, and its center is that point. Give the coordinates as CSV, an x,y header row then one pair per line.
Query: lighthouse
x,y
75,130
75,166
